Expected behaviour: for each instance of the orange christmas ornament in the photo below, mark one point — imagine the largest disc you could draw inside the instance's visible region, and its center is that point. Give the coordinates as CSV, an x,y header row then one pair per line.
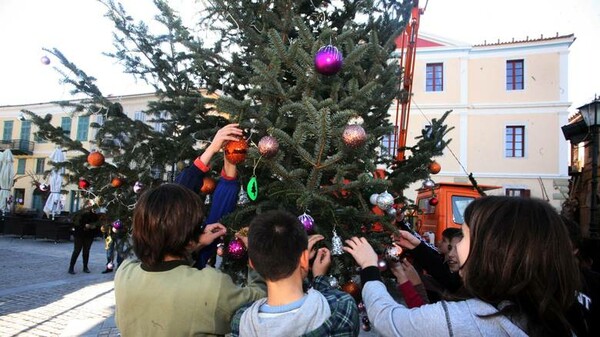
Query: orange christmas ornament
x,y
116,182
95,159
208,185
434,167
235,151
353,289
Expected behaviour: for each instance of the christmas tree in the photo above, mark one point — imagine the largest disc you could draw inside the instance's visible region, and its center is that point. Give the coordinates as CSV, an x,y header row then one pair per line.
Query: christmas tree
x,y
311,83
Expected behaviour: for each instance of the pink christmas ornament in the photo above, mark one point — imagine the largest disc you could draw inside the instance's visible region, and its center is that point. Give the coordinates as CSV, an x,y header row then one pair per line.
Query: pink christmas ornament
x,y
328,60
236,249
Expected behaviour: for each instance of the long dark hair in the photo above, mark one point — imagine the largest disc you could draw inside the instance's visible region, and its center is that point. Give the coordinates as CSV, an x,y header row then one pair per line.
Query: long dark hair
x,y
165,220
520,254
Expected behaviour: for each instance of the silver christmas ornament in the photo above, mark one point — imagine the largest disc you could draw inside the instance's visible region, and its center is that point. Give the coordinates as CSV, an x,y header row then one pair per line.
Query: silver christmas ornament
x,y
373,199
356,120
428,183
243,197
333,282
336,245
385,201
393,253
391,212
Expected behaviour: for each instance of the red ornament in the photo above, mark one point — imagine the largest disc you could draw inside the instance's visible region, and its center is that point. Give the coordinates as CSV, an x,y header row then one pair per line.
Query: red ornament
x,y
343,193
434,167
236,249
377,226
83,184
116,182
353,289
354,136
235,151
95,159
379,174
208,185
433,201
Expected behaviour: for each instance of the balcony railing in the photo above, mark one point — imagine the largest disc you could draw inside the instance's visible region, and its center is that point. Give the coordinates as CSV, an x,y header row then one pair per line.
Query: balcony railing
x,y
18,146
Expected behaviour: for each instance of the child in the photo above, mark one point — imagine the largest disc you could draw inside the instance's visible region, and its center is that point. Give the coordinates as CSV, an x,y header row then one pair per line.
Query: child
x,y
279,250
161,294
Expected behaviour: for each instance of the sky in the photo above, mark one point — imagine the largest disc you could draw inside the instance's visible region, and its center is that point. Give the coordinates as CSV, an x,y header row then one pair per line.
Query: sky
x,y
80,31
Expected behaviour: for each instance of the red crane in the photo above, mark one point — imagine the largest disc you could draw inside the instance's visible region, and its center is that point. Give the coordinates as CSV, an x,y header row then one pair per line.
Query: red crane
x,y
408,50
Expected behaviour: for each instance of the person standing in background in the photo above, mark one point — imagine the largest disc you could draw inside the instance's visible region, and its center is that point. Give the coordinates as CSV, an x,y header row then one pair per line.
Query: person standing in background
x,y
84,232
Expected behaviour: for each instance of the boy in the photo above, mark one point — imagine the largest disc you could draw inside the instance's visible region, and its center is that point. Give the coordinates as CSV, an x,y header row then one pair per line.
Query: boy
x,y
278,249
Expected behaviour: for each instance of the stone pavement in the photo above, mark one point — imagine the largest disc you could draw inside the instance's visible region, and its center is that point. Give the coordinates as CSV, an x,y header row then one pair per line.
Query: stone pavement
x,y
39,298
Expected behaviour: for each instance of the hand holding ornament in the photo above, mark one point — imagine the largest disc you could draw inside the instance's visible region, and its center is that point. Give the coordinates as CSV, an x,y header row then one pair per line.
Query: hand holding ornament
x,y
211,233
322,262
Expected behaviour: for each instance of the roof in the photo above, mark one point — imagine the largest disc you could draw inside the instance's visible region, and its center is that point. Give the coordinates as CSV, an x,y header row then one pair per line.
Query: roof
x,y
526,40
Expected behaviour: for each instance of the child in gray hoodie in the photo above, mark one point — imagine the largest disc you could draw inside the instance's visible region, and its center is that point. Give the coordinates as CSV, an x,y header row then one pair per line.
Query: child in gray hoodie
x,y
279,250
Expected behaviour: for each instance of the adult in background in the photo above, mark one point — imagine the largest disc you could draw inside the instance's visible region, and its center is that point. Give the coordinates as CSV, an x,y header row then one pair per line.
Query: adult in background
x,y
85,230
160,293
518,268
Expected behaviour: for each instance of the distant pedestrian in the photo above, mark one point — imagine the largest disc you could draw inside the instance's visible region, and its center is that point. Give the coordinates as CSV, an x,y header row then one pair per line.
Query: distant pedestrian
x,y
84,232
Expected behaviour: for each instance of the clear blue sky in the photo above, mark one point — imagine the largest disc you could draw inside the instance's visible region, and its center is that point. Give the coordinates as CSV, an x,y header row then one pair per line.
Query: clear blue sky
x,y
79,29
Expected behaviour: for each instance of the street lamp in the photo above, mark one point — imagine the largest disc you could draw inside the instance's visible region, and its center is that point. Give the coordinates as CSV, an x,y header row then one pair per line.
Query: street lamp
x,y
590,112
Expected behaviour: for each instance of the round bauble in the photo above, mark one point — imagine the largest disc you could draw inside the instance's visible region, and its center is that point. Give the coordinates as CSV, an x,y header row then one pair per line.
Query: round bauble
x,y
45,60
354,136
95,159
434,201
380,174
307,221
428,183
434,167
382,265
208,185
333,282
328,60
117,224
235,151
373,198
220,249
385,201
352,288
393,253
268,146
116,182
236,249
392,212
83,184
44,187
138,187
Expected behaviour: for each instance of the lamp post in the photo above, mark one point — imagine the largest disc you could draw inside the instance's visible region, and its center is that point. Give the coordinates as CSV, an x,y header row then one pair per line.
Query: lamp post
x,y
590,113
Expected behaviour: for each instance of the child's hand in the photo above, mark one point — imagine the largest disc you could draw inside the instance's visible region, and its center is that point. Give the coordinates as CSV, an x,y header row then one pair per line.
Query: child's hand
x,y
230,132
361,251
398,270
406,239
312,240
322,262
211,233
411,272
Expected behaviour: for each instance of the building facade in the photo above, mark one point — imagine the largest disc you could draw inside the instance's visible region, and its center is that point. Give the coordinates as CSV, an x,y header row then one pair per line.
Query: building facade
x,y
508,102
32,154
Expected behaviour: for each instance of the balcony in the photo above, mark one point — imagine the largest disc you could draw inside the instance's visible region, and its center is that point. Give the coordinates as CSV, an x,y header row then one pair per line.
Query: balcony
x,y
18,146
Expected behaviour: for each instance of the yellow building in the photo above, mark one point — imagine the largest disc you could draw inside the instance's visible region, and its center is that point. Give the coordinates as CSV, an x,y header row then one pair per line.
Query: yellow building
x,y
509,100
31,154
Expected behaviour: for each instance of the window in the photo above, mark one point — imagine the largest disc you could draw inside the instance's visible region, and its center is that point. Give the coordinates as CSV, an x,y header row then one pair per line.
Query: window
x,y
65,124
388,145
83,125
518,192
434,77
21,162
514,75
159,126
8,129
515,141
25,130
39,165
459,204
140,116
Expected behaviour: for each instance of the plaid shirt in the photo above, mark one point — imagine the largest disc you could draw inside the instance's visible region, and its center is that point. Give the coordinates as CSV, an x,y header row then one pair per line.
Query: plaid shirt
x,y
343,321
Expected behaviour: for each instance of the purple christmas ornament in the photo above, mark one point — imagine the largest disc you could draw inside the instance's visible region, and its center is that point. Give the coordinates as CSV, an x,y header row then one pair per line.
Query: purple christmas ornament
x,y
328,60
307,221
45,60
236,249
117,224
